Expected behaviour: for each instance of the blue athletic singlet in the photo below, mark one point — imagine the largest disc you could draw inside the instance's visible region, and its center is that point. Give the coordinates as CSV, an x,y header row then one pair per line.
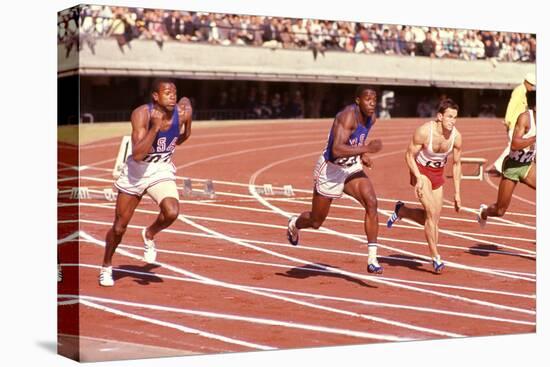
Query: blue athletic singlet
x,y
165,141
357,138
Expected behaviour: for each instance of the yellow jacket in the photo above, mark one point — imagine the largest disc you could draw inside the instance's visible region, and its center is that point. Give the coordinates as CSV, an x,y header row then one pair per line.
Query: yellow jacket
x,y
516,105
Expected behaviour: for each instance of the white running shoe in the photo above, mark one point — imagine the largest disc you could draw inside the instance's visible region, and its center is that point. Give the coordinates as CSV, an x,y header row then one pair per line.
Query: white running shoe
x,y
106,277
482,222
292,231
150,252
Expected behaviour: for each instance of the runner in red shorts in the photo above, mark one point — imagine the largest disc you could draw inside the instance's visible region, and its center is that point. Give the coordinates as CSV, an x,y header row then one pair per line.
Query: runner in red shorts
x,y
426,157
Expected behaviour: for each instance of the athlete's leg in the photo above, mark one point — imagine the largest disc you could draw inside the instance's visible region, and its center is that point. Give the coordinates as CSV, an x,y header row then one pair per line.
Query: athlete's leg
x,y
505,191
165,194
125,207
430,201
531,178
416,214
361,189
169,211
437,196
320,206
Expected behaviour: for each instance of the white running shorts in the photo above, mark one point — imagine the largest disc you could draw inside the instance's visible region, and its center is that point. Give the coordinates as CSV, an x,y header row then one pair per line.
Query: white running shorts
x,y
329,178
157,179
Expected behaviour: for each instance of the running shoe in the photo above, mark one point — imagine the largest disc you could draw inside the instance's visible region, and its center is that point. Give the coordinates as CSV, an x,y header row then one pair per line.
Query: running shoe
x,y
482,222
395,215
106,277
438,266
292,231
375,268
150,252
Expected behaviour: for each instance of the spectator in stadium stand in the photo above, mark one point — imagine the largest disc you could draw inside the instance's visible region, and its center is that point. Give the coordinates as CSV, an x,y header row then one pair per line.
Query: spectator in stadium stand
x,y
363,45
387,42
276,106
270,33
297,105
285,33
172,25
121,28
188,28
202,27
316,38
299,31
423,108
156,28
87,30
428,45
241,25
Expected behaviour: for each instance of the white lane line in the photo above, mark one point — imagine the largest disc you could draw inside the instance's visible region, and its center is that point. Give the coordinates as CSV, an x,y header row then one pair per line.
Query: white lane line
x,y
178,270
261,200
110,181
83,300
322,296
340,234
253,320
361,276
301,248
267,211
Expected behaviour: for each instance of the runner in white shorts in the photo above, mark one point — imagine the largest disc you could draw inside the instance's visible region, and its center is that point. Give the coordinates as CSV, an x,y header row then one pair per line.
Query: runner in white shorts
x,y
340,169
157,128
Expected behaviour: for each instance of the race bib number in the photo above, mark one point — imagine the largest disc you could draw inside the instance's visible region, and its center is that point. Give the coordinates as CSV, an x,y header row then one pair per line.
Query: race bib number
x,y
347,161
438,164
522,156
154,158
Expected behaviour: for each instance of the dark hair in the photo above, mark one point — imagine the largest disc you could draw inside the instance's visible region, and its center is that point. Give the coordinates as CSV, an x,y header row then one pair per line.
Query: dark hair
x,y
446,103
531,99
158,82
362,88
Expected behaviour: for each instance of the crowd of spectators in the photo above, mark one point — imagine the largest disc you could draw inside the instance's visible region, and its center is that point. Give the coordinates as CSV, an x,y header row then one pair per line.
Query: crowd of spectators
x,y
125,24
259,103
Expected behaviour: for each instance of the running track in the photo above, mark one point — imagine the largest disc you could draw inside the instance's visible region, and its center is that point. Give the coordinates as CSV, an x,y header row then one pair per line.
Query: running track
x,y
226,280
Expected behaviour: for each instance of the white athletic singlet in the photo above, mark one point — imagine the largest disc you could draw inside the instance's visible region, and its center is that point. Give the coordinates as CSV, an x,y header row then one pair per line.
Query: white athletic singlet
x,y
428,158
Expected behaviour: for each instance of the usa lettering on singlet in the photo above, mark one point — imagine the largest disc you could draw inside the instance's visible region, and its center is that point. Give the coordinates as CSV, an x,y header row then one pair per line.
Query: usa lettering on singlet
x,y
165,142
527,154
357,138
428,158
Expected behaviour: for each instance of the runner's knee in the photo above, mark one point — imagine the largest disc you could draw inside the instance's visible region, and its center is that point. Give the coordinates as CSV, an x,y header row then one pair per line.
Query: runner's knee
x,y
119,228
371,205
170,210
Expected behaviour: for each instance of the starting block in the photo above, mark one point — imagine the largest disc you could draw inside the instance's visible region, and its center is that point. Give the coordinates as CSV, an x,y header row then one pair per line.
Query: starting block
x,y
207,185
475,161
124,151
269,190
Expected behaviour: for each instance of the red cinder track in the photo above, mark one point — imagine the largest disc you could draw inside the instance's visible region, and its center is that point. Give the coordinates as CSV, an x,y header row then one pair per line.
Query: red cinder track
x,y
226,279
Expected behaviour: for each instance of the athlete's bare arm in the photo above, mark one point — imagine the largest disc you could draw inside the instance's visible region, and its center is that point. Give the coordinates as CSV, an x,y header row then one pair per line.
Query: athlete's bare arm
x,y
522,127
142,136
419,138
185,111
342,129
457,169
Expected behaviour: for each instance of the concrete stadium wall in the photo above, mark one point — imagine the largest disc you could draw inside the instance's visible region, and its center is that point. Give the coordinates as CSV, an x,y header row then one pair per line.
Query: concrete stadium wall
x,y
200,61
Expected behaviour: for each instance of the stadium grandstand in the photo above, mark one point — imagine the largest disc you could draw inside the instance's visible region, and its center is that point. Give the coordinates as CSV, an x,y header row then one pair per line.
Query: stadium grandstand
x,y
278,67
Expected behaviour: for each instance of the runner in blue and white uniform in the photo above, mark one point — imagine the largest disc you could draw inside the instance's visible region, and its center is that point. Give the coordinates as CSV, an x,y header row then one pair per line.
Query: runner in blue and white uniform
x,y
340,169
157,128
